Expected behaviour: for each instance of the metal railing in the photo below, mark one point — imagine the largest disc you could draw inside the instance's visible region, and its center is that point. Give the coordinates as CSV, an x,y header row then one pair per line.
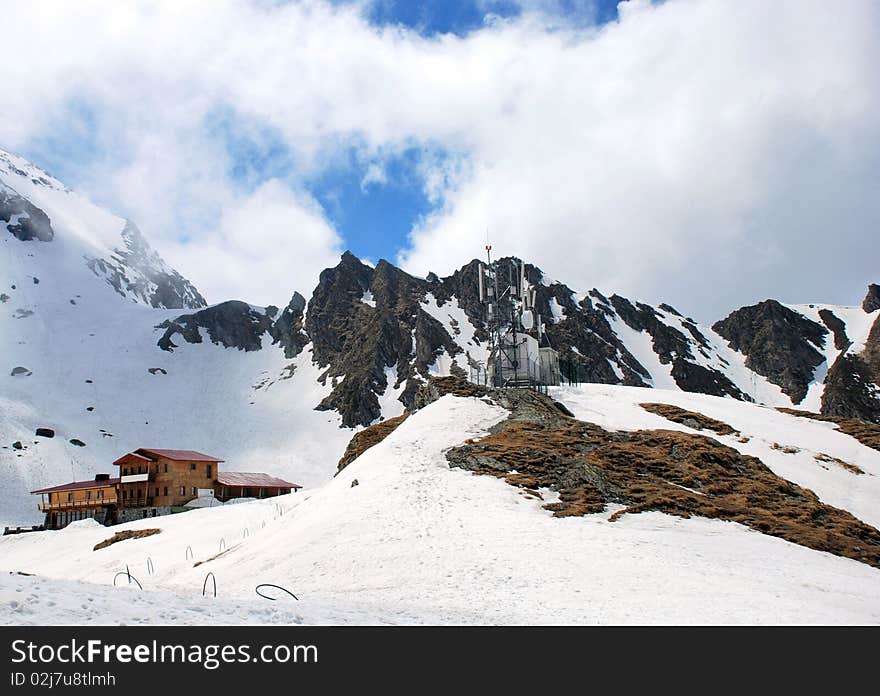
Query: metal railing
x,y
75,504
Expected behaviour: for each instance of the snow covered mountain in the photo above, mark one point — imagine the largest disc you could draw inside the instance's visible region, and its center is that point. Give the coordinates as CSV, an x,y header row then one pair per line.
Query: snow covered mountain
x,y
697,475
81,299
111,349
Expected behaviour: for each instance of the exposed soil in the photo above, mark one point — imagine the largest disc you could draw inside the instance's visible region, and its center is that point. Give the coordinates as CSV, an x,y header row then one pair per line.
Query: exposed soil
x,y
368,437
127,534
676,473
866,433
691,419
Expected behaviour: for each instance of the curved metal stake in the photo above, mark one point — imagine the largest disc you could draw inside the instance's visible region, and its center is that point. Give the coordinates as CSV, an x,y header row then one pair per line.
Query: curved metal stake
x,y
130,578
222,544
245,533
278,587
205,584
189,553
149,565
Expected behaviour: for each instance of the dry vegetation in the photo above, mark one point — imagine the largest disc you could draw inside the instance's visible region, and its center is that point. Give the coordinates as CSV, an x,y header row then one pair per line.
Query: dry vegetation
x,y
866,433
672,472
127,534
368,437
690,419
852,468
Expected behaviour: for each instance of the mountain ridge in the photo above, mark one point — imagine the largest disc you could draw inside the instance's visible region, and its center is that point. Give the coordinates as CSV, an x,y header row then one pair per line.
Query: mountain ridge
x,y
118,350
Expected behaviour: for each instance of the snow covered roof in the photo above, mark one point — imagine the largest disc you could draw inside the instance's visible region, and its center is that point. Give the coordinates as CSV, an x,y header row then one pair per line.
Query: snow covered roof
x,y
78,485
252,480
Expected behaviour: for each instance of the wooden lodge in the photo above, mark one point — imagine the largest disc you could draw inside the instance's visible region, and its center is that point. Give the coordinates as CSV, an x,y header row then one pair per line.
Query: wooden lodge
x,y
153,482
78,500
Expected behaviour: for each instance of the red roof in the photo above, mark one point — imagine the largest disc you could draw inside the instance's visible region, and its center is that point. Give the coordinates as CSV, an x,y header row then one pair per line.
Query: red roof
x,y
78,485
131,455
252,480
178,455
175,455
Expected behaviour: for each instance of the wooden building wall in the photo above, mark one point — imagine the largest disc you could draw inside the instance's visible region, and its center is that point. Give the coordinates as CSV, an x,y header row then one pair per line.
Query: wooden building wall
x,y
166,479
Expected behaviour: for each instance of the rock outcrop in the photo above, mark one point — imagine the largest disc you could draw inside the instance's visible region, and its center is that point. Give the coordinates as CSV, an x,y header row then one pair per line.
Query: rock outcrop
x,y
23,219
852,385
778,343
137,270
871,302
232,324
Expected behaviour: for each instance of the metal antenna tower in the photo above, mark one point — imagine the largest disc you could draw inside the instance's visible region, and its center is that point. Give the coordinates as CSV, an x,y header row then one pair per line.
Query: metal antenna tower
x,y
514,330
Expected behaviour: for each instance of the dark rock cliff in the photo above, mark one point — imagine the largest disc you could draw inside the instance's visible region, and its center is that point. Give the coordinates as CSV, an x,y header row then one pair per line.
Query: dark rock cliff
x,y
23,219
779,344
232,324
852,385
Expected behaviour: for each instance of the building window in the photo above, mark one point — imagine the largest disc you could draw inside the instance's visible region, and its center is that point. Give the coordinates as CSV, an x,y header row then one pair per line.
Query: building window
x,y
101,495
88,495
208,470
166,467
183,490
69,497
192,466
166,491
194,491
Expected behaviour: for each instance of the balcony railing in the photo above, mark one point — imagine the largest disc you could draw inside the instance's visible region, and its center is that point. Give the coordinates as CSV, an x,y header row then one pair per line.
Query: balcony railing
x,y
76,504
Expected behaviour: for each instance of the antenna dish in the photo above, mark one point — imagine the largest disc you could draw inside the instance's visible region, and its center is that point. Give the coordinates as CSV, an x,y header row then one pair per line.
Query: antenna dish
x,y
527,319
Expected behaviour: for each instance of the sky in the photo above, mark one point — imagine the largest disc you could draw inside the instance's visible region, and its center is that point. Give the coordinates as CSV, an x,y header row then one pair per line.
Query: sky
x,y
704,153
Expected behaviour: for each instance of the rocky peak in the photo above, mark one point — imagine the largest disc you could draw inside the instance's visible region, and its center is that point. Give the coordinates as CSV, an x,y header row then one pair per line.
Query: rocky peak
x,y
872,299
779,344
287,330
136,270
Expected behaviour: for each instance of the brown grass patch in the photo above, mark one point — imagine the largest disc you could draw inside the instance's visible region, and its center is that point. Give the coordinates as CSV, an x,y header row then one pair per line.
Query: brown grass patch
x,y
127,534
691,419
651,470
214,557
368,437
785,449
852,468
866,433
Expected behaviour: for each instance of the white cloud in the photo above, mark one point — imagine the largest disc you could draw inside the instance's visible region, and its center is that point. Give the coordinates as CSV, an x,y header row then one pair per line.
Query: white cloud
x,y
264,245
707,153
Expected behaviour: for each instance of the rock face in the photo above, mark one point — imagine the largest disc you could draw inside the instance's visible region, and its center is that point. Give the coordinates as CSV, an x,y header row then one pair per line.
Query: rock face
x,y
779,344
871,302
137,270
236,324
852,385
379,334
232,324
365,321
288,328
23,219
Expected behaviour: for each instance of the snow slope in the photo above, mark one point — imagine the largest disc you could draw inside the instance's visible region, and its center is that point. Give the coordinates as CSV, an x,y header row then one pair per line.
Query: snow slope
x,y
97,375
416,541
